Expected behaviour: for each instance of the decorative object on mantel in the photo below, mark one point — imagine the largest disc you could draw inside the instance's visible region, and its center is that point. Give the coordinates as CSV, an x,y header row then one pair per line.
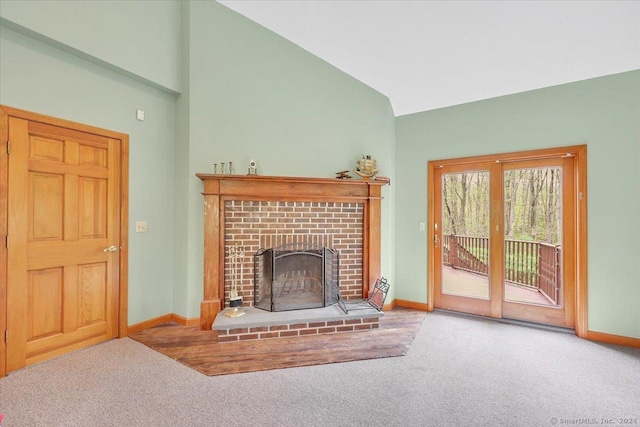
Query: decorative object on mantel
x,y
222,171
253,167
343,175
366,167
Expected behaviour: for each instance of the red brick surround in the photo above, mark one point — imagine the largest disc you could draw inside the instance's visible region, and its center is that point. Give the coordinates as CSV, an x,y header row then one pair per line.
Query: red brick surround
x,y
265,224
359,209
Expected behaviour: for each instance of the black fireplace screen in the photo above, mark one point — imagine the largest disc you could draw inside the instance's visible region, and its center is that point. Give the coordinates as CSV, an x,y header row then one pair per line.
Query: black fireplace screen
x,y
296,276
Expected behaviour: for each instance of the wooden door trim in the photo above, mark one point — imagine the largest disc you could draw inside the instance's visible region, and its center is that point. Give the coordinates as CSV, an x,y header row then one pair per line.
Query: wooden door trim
x,y
581,318
4,186
124,237
496,232
5,113
579,152
431,256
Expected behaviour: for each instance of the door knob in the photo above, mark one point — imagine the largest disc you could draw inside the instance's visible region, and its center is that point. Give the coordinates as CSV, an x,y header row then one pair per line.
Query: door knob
x,y
110,249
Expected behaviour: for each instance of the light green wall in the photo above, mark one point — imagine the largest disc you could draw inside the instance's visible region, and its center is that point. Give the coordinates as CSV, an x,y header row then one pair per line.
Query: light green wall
x,y
256,95
603,113
248,93
182,252
39,78
140,39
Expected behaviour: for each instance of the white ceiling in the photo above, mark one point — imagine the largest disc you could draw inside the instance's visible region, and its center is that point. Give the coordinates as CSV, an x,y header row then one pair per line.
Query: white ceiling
x,y
430,54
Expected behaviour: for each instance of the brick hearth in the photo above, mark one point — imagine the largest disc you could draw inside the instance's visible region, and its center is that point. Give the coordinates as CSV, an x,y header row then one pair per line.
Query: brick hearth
x,y
259,324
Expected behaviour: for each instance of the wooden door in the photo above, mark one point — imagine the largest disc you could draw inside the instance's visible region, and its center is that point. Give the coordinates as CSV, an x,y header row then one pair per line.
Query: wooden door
x,y
555,303
64,237
481,264
462,275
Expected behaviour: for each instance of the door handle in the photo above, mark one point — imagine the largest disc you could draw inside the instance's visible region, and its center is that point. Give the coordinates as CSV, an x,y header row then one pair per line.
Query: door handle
x,y
110,249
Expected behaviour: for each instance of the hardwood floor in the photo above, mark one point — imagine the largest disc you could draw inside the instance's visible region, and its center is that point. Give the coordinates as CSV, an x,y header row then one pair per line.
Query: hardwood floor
x,y
200,350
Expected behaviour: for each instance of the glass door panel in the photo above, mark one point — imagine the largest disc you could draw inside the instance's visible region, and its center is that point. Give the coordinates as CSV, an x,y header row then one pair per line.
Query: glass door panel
x,y
539,241
465,234
533,235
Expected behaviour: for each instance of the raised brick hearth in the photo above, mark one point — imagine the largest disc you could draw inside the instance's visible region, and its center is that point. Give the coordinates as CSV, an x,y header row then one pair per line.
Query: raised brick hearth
x,y
259,324
254,212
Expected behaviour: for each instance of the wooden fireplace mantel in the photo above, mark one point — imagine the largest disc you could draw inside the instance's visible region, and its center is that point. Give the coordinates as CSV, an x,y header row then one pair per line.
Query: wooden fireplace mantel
x,y
218,188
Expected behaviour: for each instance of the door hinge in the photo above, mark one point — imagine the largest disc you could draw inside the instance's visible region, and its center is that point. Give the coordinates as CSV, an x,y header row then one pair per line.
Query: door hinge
x,y
7,241
8,147
6,335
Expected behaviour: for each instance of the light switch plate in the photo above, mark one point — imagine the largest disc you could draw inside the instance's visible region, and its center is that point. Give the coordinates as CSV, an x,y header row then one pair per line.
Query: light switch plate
x,y
141,226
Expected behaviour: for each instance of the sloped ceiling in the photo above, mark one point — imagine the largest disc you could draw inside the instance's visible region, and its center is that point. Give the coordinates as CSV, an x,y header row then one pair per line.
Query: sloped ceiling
x,y
425,55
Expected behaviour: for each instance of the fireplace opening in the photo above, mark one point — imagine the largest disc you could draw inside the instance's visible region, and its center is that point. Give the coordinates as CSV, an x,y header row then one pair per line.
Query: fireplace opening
x,y
296,276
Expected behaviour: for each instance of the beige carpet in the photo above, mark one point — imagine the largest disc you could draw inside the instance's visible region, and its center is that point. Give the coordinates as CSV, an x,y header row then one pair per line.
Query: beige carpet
x,y
459,371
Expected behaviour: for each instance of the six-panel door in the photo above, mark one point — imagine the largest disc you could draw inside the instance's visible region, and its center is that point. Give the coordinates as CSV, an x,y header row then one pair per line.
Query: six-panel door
x,y
63,213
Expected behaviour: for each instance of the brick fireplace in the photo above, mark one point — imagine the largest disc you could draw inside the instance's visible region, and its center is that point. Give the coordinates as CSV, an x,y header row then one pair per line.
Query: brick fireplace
x,y
257,212
256,225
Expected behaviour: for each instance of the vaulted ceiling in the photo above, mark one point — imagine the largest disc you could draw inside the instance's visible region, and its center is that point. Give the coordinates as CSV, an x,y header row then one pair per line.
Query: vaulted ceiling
x,y
425,55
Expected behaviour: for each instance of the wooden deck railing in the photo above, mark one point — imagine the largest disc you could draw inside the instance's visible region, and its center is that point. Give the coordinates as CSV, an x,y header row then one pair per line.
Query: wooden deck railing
x,y
549,277
521,262
467,253
532,264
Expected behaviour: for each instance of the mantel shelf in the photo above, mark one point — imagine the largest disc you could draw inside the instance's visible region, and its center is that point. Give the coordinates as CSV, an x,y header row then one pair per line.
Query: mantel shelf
x,y
289,188
261,178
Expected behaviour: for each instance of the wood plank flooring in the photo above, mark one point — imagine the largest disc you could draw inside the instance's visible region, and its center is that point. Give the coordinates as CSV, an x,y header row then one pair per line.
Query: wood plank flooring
x,y
200,350
460,282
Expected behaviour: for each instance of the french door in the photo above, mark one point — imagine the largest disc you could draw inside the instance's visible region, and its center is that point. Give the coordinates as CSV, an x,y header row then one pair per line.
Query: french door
x,y
503,237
